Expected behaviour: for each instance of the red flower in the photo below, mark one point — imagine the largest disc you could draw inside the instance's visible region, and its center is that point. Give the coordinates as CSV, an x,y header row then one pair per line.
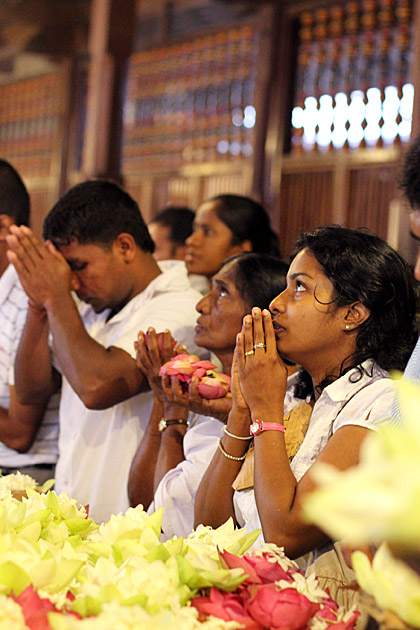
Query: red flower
x,y
285,609
185,366
214,385
35,609
226,606
259,569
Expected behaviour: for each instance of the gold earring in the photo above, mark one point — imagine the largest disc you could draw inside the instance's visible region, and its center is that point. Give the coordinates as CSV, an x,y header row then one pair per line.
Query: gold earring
x,y
347,326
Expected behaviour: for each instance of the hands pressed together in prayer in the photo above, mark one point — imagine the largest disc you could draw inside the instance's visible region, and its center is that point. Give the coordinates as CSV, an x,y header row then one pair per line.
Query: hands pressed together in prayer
x,y
152,351
259,376
44,273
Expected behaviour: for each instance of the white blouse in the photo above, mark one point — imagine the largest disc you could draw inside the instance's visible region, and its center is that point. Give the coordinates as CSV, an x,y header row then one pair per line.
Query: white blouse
x,y
366,402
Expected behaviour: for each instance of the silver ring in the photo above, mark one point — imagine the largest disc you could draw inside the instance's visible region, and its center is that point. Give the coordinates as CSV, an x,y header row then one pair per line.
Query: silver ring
x,y
248,354
259,345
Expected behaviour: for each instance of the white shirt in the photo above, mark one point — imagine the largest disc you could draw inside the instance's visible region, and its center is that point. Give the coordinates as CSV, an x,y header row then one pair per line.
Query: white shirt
x,y
13,309
411,372
366,403
176,491
96,446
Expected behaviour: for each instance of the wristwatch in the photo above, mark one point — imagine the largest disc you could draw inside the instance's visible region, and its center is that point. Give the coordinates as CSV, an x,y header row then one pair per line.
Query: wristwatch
x,y
258,426
164,423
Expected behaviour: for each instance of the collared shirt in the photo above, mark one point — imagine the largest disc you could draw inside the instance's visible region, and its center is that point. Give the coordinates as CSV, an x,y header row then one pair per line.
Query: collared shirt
x,y
13,309
97,446
411,372
366,402
176,491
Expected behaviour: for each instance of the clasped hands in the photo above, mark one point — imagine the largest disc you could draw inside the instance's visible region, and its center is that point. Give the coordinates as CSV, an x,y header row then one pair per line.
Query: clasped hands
x,y
152,351
43,271
259,376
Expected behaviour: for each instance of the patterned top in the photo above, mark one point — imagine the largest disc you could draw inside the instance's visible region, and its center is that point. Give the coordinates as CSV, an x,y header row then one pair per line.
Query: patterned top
x,y
13,308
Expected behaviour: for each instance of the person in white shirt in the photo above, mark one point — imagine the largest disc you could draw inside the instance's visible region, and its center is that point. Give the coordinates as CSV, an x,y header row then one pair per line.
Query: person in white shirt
x,y
174,454
410,184
98,246
346,317
28,433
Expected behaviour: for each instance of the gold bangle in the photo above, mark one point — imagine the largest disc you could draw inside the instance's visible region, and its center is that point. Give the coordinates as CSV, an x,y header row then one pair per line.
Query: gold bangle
x,y
235,459
237,437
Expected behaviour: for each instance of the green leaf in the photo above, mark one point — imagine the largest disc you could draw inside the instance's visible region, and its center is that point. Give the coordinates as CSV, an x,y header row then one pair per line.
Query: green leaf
x,y
13,578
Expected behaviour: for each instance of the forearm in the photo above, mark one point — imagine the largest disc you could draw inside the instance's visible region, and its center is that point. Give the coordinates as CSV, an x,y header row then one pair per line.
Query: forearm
x,y
171,451
34,374
214,499
140,479
101,377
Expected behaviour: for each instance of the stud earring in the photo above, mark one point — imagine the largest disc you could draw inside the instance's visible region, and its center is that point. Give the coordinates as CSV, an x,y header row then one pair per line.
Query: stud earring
x,y
347,326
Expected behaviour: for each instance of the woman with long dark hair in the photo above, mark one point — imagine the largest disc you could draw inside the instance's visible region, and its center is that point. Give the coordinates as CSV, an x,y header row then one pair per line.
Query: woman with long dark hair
x,y
224,226
347,318
178,445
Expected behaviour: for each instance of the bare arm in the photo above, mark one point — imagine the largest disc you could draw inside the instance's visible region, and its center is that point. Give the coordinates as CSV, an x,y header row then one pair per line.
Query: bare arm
x,y
278,496
214,498
35,377
19,424
101,377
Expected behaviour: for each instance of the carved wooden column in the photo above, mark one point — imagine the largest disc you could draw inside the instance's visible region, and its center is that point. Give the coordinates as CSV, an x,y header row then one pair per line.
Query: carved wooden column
x,y
110,44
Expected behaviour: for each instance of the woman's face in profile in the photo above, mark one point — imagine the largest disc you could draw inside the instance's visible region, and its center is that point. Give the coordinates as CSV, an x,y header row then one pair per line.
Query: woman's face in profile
x,y
307,324
221,312
210,243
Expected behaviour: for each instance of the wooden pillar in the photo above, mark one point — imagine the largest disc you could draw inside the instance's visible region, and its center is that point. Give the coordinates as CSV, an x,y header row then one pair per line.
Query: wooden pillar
x,y
110,44
415,69
278,118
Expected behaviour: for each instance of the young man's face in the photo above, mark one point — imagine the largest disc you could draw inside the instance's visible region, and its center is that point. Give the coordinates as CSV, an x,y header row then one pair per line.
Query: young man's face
x,y
415,233
98,274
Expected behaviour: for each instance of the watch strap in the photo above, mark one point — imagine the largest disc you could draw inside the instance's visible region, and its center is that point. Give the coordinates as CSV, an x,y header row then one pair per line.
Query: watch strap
x,y
258,426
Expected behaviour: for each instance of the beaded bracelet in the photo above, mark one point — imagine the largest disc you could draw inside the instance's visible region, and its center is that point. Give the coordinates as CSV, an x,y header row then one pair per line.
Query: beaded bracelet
x,y
237,437
236,459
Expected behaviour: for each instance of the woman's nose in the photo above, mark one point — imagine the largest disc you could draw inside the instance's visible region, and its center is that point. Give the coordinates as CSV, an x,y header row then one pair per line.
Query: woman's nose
x,y
277,305
192,239
203,305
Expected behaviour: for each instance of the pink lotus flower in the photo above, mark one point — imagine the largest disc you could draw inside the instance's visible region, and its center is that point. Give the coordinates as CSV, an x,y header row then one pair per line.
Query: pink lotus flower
x,y
185,366
285,609
259,569
330,611
226,606
214,385
35,609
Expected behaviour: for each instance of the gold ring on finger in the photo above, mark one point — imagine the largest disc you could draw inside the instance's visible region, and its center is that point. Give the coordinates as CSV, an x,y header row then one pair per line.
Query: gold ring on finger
x,y
247,354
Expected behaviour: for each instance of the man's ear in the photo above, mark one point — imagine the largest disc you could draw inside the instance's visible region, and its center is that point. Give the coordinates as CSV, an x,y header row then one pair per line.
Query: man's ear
x,y
5,222
125,246
355,315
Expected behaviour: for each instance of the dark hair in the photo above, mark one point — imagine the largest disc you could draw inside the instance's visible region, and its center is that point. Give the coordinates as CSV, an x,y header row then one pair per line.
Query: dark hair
x,y
410,178
363,267
14,198
96,211
179,220
259,278
247,220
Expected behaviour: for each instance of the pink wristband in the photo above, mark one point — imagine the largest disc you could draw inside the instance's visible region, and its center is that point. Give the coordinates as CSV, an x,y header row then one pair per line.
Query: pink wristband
x,y
258,426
